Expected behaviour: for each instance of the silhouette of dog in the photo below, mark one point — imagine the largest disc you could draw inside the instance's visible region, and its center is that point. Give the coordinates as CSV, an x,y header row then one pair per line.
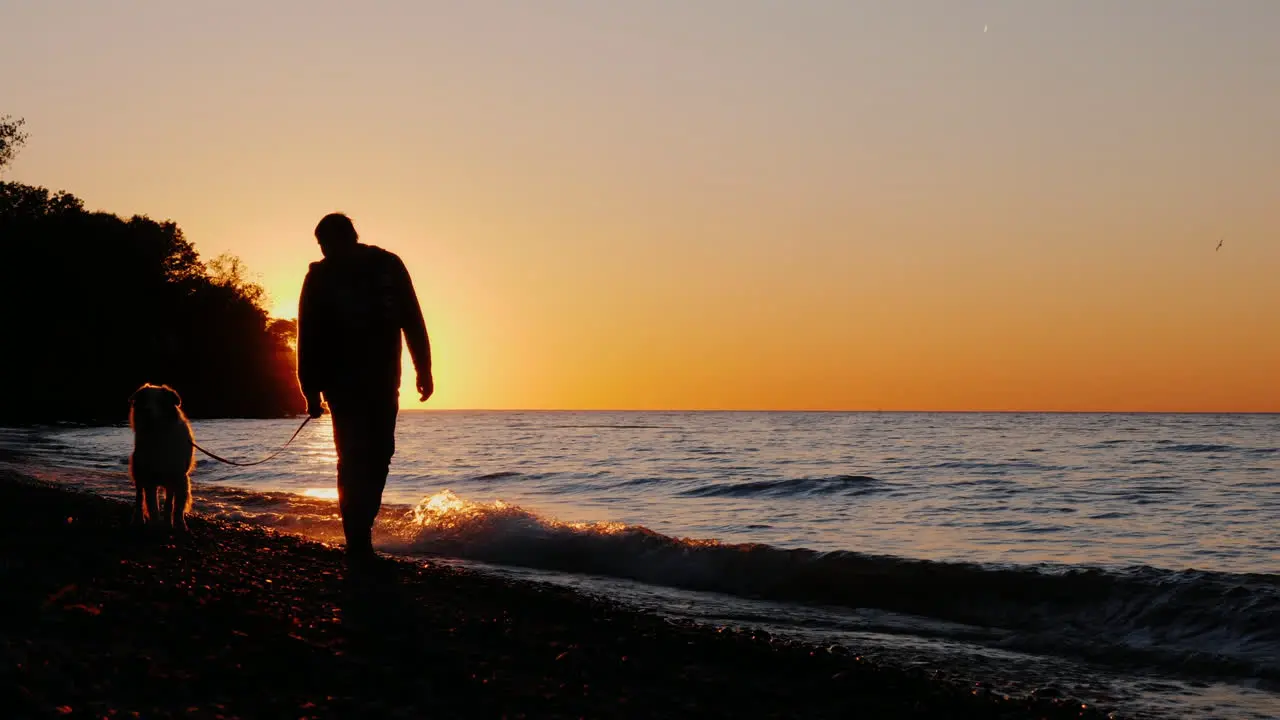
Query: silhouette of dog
x,y
163,457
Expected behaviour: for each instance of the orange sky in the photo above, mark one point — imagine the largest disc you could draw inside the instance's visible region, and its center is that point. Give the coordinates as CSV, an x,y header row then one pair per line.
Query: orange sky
x,y
719,204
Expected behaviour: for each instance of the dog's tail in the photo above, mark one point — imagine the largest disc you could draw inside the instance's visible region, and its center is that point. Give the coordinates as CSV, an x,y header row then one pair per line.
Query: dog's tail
x,y
191,467
191,438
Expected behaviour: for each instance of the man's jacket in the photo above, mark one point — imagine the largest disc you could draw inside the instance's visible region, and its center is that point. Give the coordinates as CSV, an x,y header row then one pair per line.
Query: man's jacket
x,y
353,309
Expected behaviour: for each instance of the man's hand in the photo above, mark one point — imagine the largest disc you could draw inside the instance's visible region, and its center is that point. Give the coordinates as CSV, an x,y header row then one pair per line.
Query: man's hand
x,y
314,408
426,386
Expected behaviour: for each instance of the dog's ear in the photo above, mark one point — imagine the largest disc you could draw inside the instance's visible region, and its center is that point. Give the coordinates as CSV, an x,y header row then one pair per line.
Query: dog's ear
x,y
173,396
134,397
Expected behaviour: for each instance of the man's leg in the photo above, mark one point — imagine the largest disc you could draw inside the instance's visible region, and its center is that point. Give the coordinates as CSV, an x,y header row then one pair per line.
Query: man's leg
x,y
379,427
364,432
346,439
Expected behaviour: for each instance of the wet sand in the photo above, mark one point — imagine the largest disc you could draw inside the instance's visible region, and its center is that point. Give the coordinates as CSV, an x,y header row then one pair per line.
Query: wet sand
x,y
100,620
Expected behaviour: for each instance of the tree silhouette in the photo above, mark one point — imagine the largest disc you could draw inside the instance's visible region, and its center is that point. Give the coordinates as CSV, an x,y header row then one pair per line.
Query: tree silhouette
x,y
11,138
92,305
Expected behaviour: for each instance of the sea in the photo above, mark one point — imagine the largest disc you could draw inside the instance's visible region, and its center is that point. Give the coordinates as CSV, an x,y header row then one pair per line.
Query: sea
x,y
1128,561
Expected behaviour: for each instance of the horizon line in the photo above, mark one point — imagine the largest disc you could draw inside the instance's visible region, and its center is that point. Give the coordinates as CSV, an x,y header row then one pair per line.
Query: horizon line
x,y
846,411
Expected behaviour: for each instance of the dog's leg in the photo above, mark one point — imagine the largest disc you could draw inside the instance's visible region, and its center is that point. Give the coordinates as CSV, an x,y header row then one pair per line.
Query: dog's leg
x,y
153,506
139,507
181,504
168,507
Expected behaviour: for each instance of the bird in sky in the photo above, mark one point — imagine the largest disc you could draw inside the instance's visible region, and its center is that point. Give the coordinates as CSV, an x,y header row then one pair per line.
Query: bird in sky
x,y
1219,244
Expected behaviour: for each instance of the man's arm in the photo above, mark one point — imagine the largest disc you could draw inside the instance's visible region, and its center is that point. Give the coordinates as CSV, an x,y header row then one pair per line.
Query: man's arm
x,y
415,330
309,372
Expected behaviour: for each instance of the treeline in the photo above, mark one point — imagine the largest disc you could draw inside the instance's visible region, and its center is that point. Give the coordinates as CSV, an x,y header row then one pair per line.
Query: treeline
x,y
93,305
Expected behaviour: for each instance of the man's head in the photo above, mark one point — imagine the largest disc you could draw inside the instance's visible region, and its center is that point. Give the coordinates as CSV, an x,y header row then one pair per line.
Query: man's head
x,y
336,233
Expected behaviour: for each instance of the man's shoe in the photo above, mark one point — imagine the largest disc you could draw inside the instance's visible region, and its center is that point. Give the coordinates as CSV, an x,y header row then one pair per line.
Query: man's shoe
x,y
365,561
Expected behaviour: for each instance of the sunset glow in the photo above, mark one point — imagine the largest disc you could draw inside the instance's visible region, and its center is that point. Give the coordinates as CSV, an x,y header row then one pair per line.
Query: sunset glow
x,y
321,493
718,205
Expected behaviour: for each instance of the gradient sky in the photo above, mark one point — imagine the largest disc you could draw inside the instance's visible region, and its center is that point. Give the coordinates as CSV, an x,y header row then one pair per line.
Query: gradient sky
x,y
717,203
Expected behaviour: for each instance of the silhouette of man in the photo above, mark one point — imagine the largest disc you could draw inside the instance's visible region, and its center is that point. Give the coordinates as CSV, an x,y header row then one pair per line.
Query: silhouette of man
x,y
355,304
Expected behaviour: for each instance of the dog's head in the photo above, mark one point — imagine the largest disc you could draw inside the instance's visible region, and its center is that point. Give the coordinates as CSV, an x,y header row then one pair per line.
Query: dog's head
x,y
153,404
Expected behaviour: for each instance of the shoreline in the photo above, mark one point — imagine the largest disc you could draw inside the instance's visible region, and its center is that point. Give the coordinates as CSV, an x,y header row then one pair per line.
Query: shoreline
x,y
101,621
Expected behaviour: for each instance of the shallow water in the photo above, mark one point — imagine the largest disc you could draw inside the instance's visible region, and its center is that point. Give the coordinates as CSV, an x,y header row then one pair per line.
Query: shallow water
x,y
1137,554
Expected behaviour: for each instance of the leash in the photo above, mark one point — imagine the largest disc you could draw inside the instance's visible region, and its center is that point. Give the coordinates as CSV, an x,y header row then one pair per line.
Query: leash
x,y
221,459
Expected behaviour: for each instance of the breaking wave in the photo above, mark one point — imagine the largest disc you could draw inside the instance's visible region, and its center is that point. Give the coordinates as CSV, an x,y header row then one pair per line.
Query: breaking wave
x,y
1220,623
